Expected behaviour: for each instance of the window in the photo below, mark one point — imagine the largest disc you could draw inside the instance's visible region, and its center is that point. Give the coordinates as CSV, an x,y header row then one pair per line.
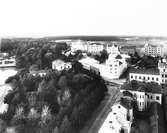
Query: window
x,y
131,77
119,107
135,77
148,78
144,78
152,78
157,97
139,77
151,97
157,79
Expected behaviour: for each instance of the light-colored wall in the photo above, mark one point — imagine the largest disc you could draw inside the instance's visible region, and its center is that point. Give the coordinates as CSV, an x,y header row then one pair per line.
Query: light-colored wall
x,y
148,77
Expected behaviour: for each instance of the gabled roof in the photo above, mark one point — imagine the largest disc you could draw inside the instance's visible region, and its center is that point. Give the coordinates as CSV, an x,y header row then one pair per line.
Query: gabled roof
x,y
118,57
142,87
151,71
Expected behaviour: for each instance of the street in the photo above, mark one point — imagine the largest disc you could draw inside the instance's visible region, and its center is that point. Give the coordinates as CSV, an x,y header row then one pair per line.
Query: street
x,y
94,124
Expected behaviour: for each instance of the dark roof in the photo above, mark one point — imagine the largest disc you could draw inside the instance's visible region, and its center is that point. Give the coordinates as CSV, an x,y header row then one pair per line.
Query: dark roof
x,y
151,71
118,57
142,87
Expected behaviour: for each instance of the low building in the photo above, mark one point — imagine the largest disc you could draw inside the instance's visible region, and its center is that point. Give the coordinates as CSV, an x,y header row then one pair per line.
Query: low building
x,y
119,119
147,75
153,50
61,65
40,73
91,64
144,94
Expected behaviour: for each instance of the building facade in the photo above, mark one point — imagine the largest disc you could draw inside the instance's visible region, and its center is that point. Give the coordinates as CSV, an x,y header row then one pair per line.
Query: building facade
x,y
114,67
145,77
153,50
145,96
61,65
119,119
112,49
162,66
95,48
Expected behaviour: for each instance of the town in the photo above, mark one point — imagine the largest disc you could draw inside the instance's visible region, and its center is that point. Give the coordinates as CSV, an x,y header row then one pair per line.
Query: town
x,y
78,85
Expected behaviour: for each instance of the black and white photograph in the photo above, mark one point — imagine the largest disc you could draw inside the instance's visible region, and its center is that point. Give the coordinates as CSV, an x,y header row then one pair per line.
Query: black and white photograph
x,y
83,66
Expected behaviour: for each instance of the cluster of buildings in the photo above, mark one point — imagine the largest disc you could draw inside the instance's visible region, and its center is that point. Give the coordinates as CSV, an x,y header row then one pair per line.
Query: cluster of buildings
x,y
113,67
158,75
144,88
93,47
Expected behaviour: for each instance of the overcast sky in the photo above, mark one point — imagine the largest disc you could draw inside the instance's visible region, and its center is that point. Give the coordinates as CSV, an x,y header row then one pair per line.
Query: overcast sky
x,y
37,18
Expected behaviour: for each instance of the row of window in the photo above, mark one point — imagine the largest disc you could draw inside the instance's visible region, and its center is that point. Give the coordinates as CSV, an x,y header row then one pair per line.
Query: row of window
x,y
142,96
164,75
144,78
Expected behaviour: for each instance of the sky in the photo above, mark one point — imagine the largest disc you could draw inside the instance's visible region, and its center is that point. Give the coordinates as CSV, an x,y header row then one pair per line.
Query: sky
x,y
38,18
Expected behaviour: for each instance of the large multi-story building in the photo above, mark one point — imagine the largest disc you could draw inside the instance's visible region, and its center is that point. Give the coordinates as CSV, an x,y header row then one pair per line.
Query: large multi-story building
x,y
144,94
153,50
112,49
95,48
162,66
158,75
119,119
146,75
114,67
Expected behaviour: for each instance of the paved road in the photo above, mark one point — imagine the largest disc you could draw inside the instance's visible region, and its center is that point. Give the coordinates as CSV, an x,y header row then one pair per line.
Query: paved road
x,y
101,113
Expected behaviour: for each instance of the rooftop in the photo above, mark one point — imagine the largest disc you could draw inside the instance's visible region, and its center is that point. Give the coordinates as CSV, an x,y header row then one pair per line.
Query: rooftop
x,y
89,60
58,61
142,87
150,71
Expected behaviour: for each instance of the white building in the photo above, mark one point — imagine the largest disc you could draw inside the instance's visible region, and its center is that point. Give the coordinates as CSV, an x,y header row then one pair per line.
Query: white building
x,y
120,118
114,67
152,50
112,49
61,65
144,95
91,64
78,45
148,75
162,66
95,48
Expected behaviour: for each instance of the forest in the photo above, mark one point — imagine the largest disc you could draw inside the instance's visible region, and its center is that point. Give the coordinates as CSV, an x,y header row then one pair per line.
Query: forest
x,y
59,102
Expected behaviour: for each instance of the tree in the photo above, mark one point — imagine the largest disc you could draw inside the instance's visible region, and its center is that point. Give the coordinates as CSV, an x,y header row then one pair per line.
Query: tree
x,y
62,83
56,130
3,126
65,126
